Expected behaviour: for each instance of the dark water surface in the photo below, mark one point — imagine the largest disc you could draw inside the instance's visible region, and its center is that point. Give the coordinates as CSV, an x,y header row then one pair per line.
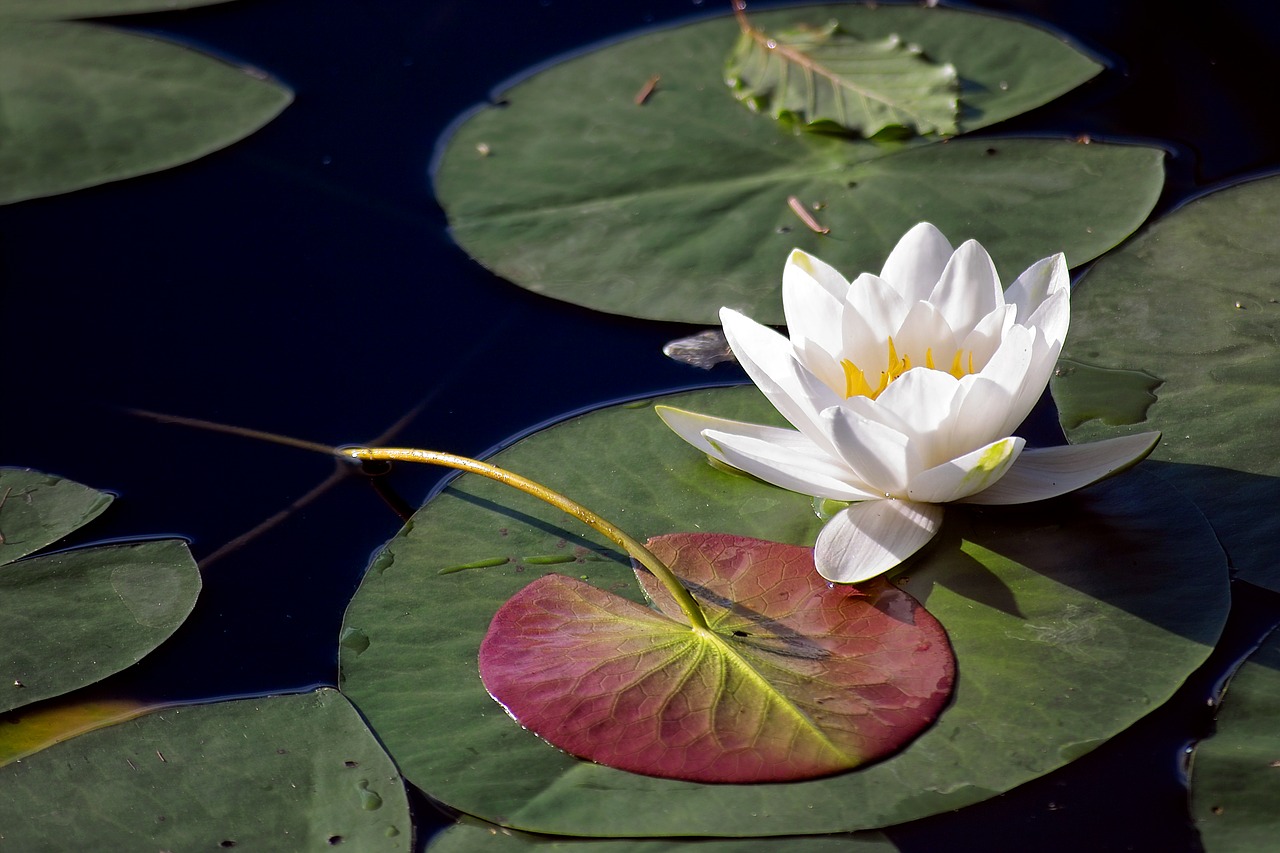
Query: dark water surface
x,y
302,282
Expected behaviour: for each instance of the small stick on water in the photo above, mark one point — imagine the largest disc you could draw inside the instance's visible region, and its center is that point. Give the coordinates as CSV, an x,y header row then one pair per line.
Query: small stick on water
x,y
642,555
647,89
798,208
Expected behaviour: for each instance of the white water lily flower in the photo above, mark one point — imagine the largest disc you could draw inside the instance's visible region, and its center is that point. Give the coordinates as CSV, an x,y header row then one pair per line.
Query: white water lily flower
x,y
904,390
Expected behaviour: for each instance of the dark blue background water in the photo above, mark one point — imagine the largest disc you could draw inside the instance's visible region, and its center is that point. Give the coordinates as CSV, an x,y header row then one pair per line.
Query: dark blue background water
x,y
302,282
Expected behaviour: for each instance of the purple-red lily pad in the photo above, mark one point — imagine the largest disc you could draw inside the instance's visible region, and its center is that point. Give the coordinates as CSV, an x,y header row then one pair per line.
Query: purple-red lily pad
x,y
796,679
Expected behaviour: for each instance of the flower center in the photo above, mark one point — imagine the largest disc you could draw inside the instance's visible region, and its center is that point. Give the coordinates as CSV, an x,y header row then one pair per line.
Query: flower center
x,y
856,384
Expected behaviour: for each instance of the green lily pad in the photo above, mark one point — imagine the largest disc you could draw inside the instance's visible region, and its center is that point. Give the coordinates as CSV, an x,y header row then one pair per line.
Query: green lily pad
x,y
295,772
39,509
793,678
61,9
84,105
470,835
1070,620
1235,780
74,617
1195,301
674,208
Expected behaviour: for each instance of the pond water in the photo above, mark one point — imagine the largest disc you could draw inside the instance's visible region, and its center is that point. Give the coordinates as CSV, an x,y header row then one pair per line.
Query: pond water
x,y
302,282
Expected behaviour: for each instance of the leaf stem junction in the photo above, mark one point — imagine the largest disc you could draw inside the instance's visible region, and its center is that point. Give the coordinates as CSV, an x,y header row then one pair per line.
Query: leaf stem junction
x,y
692,611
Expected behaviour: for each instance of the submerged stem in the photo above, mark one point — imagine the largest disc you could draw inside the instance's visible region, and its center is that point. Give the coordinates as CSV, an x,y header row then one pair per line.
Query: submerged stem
x,y
463,463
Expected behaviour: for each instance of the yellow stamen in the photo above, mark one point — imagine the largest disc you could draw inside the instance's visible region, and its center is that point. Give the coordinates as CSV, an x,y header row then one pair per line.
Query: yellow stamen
x,y
855,380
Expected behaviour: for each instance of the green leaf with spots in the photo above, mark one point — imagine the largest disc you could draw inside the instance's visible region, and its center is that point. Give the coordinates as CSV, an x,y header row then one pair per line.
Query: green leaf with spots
x,y
84,105
674,208
1070,620
1194,302
284,773
73,617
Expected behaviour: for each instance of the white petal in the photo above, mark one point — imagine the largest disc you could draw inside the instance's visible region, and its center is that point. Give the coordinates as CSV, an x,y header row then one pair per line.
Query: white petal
x,y
1040,281
879,456
802,264
880,306
807,470
978,417
872,537
1047,472
689,426
812,309
1044,356
986,336
1053,316
968,474
769,360
922,400
969,288
916,263
925,332
783,457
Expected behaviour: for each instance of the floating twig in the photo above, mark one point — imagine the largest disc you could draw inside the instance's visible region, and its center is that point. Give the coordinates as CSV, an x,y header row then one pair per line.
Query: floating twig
x,y
646,90
798,208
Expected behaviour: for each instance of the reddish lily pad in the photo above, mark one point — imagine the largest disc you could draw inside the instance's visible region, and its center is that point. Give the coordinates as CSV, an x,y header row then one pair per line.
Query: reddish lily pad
x,y
796,678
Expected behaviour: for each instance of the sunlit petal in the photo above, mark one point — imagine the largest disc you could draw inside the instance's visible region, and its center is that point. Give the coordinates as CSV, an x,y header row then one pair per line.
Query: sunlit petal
x,y
925,336
795,468
969,288
811,307
1053,316
880,305
878,455
985,337
1047,472
769,360
1042,279
870,538
802,264
1044,356
921,399
916,263
967,474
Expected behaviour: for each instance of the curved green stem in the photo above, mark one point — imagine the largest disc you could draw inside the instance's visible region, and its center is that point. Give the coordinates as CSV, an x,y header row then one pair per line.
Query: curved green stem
x,y
642,554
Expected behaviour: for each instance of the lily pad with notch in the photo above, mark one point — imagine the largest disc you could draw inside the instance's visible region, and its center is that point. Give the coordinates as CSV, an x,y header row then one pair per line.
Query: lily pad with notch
x,y
1070,620
1194,301
73,617
671,209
